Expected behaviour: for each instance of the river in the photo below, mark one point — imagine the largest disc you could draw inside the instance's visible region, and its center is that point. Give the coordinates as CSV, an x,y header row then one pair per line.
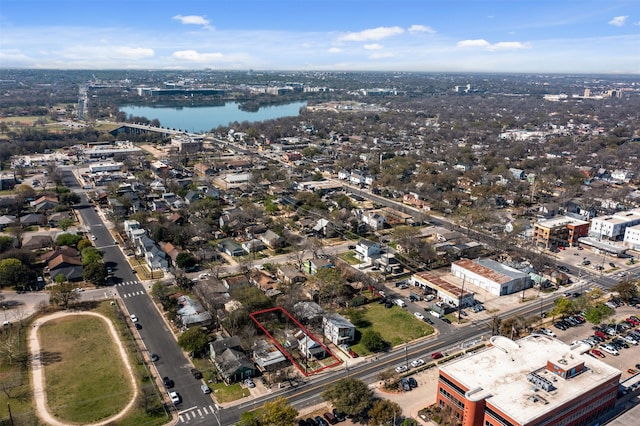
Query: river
x,y
203,119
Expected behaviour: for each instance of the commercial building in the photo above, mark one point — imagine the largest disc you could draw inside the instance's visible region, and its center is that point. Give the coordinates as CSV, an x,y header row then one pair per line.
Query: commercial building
x,y
613,227
491,276
559,231
537,380
445,290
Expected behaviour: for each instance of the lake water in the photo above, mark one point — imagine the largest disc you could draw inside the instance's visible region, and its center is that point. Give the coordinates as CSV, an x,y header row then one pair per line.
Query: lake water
x,y
203,119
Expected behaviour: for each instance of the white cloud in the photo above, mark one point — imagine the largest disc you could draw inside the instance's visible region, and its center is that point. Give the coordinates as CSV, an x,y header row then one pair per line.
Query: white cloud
x,y
508,45
193,20
194,56
373,34
473,43
374,46
484,44
335,50
618,21
421,29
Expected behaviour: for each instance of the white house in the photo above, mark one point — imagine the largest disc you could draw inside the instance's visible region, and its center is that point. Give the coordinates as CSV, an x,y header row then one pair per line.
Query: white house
x,y
367,250
374,220
338,329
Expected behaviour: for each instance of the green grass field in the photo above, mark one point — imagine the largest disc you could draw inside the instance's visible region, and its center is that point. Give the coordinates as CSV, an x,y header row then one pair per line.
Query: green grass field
x,y
86,380
396,325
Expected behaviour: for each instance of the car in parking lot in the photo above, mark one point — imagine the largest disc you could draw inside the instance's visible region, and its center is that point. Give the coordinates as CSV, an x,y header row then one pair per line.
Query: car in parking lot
x,y
436,355
406,387
412,382
330,418
401,369
417,362
93,238
175,397
547,332
560,326
597,353
447,320
609,349
339,415
320,421
418,315
600,334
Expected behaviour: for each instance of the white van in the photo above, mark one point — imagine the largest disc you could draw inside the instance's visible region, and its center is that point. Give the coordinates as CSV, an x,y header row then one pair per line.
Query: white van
x,y
400,303
435,314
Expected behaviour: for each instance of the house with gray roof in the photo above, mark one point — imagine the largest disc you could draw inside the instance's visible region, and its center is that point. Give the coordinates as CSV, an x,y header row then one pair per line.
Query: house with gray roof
x,y
192,313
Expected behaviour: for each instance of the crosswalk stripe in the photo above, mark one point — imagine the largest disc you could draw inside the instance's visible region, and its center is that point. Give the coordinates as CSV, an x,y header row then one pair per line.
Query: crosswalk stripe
x,y
199,412
205,410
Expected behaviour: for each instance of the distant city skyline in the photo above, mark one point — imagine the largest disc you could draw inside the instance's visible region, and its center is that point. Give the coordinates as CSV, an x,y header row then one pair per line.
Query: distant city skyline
x,y
527,36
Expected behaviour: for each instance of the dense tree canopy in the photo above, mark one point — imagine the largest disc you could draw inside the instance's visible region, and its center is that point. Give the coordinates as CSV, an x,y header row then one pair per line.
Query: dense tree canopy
x,y
95,273
194,340
349,395
68,240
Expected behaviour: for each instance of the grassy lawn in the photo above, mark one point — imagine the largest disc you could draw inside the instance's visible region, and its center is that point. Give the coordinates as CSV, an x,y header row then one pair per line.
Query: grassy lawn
x,y
224,393
396,325
14,376
349,257
85,378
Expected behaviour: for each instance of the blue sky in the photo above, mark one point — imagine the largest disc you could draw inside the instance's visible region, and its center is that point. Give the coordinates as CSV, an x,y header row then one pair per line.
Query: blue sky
x,y
542,36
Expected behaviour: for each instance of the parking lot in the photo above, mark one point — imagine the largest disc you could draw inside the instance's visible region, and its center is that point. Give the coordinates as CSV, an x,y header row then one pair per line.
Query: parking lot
x,y
627,358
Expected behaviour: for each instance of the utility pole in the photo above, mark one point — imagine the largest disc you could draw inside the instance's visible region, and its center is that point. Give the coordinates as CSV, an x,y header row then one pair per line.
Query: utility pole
x,y
461,298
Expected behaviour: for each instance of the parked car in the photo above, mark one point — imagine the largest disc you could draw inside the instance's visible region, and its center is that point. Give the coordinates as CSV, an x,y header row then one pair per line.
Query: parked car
x,y
249,383
418,315
175,397
412,382
133,318
339,415
196,374
548,332
320,421
597,353
560,326
205,389
436,355
168,383
417,362
330,418
600,334
154,357
401,369
609,349
406,387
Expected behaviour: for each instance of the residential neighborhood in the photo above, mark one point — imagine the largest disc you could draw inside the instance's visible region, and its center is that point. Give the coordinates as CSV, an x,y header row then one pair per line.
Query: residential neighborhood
x,y
273,258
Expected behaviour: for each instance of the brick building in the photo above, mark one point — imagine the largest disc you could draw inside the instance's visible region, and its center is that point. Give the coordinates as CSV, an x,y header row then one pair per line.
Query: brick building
x,y
536,380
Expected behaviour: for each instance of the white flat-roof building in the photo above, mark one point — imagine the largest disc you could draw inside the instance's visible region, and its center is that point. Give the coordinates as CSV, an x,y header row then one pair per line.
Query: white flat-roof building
x,y
632,237
491,276
613,227
536,380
